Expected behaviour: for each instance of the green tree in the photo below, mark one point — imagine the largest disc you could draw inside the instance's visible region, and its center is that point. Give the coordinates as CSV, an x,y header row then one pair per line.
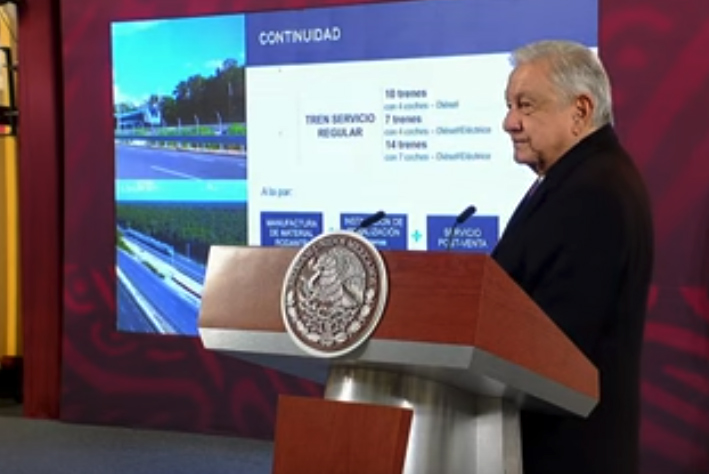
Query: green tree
x,y
222,93
168,108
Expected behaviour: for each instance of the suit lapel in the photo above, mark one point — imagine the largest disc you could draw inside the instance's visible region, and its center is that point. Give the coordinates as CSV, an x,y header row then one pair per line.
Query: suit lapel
x,y
603,138
526,207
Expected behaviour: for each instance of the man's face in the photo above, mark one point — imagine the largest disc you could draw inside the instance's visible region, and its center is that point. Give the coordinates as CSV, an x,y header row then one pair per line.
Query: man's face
x,y
539,120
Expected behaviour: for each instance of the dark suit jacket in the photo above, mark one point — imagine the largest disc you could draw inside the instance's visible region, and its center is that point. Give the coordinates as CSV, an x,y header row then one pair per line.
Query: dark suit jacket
x,y
582,247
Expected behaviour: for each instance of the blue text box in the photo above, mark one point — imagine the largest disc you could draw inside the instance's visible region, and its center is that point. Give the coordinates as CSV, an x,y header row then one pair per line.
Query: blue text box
x,y
479,234
289,229
390,233
414,29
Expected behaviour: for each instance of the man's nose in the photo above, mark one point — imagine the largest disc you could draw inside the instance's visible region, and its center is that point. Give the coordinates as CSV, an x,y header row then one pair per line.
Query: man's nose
x,y
511,123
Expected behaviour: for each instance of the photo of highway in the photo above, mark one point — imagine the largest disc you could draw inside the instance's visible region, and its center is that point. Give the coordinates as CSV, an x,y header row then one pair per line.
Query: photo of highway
x,y
143,162
157,293
161,264
179,102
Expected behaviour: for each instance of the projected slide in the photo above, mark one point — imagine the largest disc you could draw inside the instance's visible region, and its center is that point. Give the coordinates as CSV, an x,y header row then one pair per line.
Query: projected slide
x,y
268,129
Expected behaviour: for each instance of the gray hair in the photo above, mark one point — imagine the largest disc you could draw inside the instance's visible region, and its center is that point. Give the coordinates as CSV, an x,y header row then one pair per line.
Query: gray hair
x,y
575,70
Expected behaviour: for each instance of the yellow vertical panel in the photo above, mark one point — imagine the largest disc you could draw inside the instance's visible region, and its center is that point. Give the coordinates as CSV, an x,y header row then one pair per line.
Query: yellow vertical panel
x,y
10,281
10,332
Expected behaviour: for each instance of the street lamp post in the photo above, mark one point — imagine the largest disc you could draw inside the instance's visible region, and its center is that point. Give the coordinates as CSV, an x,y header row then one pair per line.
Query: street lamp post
x,y
196,121
221,128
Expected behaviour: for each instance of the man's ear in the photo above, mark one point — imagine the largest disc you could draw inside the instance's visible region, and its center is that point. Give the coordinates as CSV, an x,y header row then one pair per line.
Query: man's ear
x,y
583,108
582,114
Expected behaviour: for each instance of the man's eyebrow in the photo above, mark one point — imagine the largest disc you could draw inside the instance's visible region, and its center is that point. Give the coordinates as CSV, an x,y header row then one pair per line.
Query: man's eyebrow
x,y
520,95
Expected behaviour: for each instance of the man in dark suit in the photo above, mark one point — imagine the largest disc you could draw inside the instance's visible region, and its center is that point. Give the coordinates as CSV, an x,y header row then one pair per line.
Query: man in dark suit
x,y
581,245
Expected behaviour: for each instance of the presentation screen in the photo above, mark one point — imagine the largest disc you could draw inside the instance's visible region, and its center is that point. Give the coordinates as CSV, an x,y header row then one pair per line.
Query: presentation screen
x,y
268,129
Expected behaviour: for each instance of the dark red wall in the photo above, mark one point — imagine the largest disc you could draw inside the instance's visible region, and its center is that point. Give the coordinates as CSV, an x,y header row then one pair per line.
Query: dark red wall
x,y
40,172
656,54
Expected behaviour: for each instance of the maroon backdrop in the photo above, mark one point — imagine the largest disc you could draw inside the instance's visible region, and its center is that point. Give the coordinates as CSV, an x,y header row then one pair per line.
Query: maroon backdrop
x,y
40,145
656,54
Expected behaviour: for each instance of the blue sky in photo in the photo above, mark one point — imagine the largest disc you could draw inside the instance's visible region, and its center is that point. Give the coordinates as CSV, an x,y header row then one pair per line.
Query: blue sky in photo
x,y
153,56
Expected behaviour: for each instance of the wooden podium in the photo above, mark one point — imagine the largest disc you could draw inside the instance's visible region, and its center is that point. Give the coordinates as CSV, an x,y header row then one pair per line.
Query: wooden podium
x,y
460,346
